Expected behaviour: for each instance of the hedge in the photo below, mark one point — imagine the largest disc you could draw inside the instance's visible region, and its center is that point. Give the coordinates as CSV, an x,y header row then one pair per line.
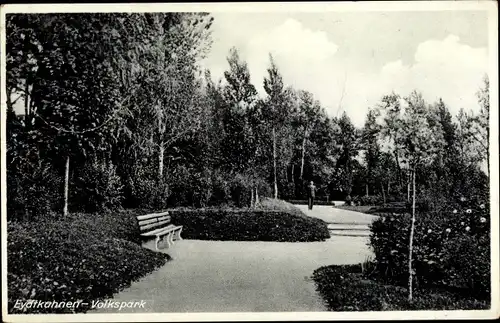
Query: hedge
x,y
346,288
249,225
83,257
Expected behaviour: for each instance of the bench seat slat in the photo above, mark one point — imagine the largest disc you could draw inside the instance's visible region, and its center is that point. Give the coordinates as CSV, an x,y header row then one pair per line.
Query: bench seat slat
x,y
160,231
150,216
154,225
144,222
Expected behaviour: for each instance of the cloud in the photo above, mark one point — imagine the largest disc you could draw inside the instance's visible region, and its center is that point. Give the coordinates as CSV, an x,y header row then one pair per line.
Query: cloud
x,y
310,59
443,68
302,55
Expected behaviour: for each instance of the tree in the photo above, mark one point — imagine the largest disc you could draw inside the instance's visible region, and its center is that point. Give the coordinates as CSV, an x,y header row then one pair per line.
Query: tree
x,y
348,143
390,113
69,76
420,143
480,130
369,140
273,85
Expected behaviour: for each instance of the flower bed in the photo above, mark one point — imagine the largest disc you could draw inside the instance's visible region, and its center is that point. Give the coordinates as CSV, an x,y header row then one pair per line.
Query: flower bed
x,y
249,225
85,257
451,248
347,288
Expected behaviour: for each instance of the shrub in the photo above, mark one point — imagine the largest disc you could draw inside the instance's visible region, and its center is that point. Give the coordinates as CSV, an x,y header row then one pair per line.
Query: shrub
x,y
368,200
268,204
249,225
345,288
98,188
73,260
450,248
33,190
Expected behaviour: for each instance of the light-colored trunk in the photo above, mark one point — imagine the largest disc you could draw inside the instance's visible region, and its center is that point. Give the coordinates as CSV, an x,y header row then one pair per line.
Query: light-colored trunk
x,y
161,160
257,202
26,105
303,155
412,231
388,187
367,190
293,174
66,187
274,165
400,177
408,189
252,202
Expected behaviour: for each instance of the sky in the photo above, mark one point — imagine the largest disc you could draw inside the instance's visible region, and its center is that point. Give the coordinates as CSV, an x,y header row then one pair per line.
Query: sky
x,y
349,60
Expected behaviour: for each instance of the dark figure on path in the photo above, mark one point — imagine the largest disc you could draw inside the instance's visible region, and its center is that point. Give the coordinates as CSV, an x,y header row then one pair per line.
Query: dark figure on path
x,y
311,194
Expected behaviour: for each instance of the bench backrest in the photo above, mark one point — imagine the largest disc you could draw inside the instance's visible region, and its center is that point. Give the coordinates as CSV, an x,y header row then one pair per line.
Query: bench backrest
x,y
150,222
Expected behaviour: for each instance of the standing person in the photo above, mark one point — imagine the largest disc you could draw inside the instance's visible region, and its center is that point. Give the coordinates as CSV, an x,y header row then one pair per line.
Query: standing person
x,y
311,194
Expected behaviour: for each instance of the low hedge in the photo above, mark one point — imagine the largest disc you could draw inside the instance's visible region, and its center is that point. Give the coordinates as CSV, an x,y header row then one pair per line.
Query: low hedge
x,y
85,257
249,225
345,288
316,202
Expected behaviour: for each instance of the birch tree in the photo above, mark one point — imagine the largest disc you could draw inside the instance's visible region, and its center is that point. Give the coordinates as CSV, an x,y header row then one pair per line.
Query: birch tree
x,y
420,143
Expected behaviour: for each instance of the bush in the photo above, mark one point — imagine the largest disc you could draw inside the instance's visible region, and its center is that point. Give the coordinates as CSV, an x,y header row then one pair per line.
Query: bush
x,y
345,288
71,260
451,248
249,225
368,200
268,204
33,190
98,188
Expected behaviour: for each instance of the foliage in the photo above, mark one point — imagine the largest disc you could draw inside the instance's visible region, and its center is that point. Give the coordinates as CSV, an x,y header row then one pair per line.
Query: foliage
x,y
98,188
69,260
249,225
345,288
451,247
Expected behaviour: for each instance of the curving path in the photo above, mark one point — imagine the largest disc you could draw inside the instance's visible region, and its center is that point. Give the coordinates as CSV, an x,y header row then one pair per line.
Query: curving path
x,y
231,276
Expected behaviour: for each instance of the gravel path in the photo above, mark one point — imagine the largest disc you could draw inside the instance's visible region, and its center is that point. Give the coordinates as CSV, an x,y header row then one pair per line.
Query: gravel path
x,y
235,276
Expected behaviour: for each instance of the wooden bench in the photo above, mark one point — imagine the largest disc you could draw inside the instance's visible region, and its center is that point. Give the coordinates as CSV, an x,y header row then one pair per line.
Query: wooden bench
x,y
158,225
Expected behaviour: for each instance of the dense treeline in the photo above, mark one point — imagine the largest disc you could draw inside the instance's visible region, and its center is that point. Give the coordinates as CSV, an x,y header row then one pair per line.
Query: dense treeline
x,y
119,113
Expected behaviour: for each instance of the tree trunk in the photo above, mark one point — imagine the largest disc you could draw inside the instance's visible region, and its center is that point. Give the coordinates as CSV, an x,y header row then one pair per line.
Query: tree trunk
x,y
367,190
383,192
408,188
410,269
303,155
66,188
488,158
257,202
400,177
26,105
160,161
252,202
293,174
388,187
274,165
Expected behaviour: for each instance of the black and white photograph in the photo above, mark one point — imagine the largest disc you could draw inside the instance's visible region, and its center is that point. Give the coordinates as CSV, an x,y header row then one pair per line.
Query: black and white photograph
x,y
249,161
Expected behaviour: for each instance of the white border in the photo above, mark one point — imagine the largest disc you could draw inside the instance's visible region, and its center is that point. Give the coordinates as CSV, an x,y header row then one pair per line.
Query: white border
x,y
489,6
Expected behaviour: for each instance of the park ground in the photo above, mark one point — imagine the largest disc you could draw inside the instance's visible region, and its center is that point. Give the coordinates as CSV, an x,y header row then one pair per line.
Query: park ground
x,y
240,276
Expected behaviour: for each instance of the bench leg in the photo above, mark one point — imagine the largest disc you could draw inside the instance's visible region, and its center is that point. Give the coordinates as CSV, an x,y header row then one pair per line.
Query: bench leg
x,y
168,239
157,240
171,236
179,234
